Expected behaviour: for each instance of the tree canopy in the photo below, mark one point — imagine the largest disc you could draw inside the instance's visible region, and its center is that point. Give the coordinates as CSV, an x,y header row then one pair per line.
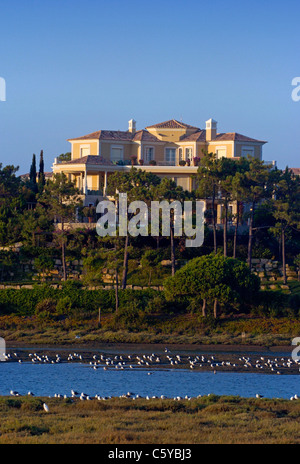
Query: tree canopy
x,y
214,278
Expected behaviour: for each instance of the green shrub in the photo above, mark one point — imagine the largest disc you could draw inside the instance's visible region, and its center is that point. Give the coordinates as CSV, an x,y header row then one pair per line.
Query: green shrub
x,y
294,303
46,307
64,305
25,301
272,302
131,318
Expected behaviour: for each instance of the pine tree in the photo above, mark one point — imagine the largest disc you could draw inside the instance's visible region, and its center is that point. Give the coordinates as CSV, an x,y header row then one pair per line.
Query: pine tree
x,y
32,174
285,203
41,178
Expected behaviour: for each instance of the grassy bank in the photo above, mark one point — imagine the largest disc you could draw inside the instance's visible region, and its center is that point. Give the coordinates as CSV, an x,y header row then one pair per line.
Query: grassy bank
x,y
209,419
45,315
175,329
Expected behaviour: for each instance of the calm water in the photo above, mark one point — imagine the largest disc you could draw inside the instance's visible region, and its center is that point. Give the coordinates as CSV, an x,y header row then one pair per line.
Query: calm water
x,y
51,379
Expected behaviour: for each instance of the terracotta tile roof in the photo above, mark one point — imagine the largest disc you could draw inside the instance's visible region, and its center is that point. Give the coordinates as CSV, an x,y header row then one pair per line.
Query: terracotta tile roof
x,y
91,160
144,136
106,135
93,135
172,124
141,135
234,136
116,135
27,175
295,171
198,136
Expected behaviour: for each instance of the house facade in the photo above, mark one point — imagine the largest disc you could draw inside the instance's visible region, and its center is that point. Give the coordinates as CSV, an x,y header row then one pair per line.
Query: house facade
x,y
168,149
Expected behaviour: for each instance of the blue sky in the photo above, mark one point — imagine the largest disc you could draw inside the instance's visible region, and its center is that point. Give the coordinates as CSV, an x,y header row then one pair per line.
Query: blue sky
x,y
73,67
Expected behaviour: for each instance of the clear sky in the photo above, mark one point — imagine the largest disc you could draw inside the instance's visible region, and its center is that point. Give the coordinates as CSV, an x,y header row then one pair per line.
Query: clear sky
x,y
73,67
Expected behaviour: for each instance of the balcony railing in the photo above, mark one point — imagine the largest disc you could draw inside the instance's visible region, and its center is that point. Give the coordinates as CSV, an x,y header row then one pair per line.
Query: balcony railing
x,y
98,193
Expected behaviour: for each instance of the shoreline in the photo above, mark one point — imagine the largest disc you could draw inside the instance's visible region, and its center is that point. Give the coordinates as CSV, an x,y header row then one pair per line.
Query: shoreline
x,y
149,347
199,358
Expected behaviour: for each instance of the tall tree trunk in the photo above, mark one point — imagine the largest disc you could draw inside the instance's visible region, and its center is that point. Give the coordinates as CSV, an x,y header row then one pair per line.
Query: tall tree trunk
x,y
236,229
225,228
283,255
204,308
125,264
215,308
63,253
117,290
214,219
63,258
172,250
250,242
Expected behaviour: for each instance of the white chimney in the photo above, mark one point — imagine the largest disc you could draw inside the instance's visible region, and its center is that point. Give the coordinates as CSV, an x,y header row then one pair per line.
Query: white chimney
x,y
211,129
132,126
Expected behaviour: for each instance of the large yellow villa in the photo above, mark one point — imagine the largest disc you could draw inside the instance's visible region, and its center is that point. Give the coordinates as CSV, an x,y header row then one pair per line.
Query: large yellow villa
x,y
168,149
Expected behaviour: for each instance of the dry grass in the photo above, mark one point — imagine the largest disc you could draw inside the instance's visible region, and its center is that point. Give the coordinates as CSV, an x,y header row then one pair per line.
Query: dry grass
x,y
124,421
179,329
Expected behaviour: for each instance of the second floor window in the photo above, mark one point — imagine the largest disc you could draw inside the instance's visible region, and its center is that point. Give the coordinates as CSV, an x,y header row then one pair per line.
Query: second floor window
x,y
188,153
221,152
247,151
171,156
149,154
85,150
116,153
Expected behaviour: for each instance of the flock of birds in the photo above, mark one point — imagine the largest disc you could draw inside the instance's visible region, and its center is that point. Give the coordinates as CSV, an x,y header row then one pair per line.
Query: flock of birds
x,y
278,365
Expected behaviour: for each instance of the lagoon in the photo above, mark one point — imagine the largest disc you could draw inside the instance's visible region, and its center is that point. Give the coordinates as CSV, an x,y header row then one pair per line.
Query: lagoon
x,y
61,378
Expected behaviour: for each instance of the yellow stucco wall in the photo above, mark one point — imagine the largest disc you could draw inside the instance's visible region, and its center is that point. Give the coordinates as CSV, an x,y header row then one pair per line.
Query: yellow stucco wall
x,y
212,148
239,146
129,149
76,148
167,135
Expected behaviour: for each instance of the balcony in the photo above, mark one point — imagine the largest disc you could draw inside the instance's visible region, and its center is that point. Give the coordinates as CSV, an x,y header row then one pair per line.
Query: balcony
x,y
98,193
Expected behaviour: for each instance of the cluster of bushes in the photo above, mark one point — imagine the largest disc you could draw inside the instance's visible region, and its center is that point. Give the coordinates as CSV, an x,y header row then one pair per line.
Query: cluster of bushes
x,y
44,300
135,306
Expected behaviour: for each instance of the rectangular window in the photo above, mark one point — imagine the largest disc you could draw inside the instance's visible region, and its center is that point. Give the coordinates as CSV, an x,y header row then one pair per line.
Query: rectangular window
x,y
247,151
116,153
149,154
170,156
189,154
89,181
85,150
221,153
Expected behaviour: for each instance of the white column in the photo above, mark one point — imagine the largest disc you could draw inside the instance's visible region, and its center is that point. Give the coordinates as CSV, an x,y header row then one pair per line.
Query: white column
x,y
81,181
141,151
85,183
105,183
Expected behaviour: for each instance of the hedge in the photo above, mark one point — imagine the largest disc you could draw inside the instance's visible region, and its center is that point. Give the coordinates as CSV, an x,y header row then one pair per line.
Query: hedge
x,y
23,301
